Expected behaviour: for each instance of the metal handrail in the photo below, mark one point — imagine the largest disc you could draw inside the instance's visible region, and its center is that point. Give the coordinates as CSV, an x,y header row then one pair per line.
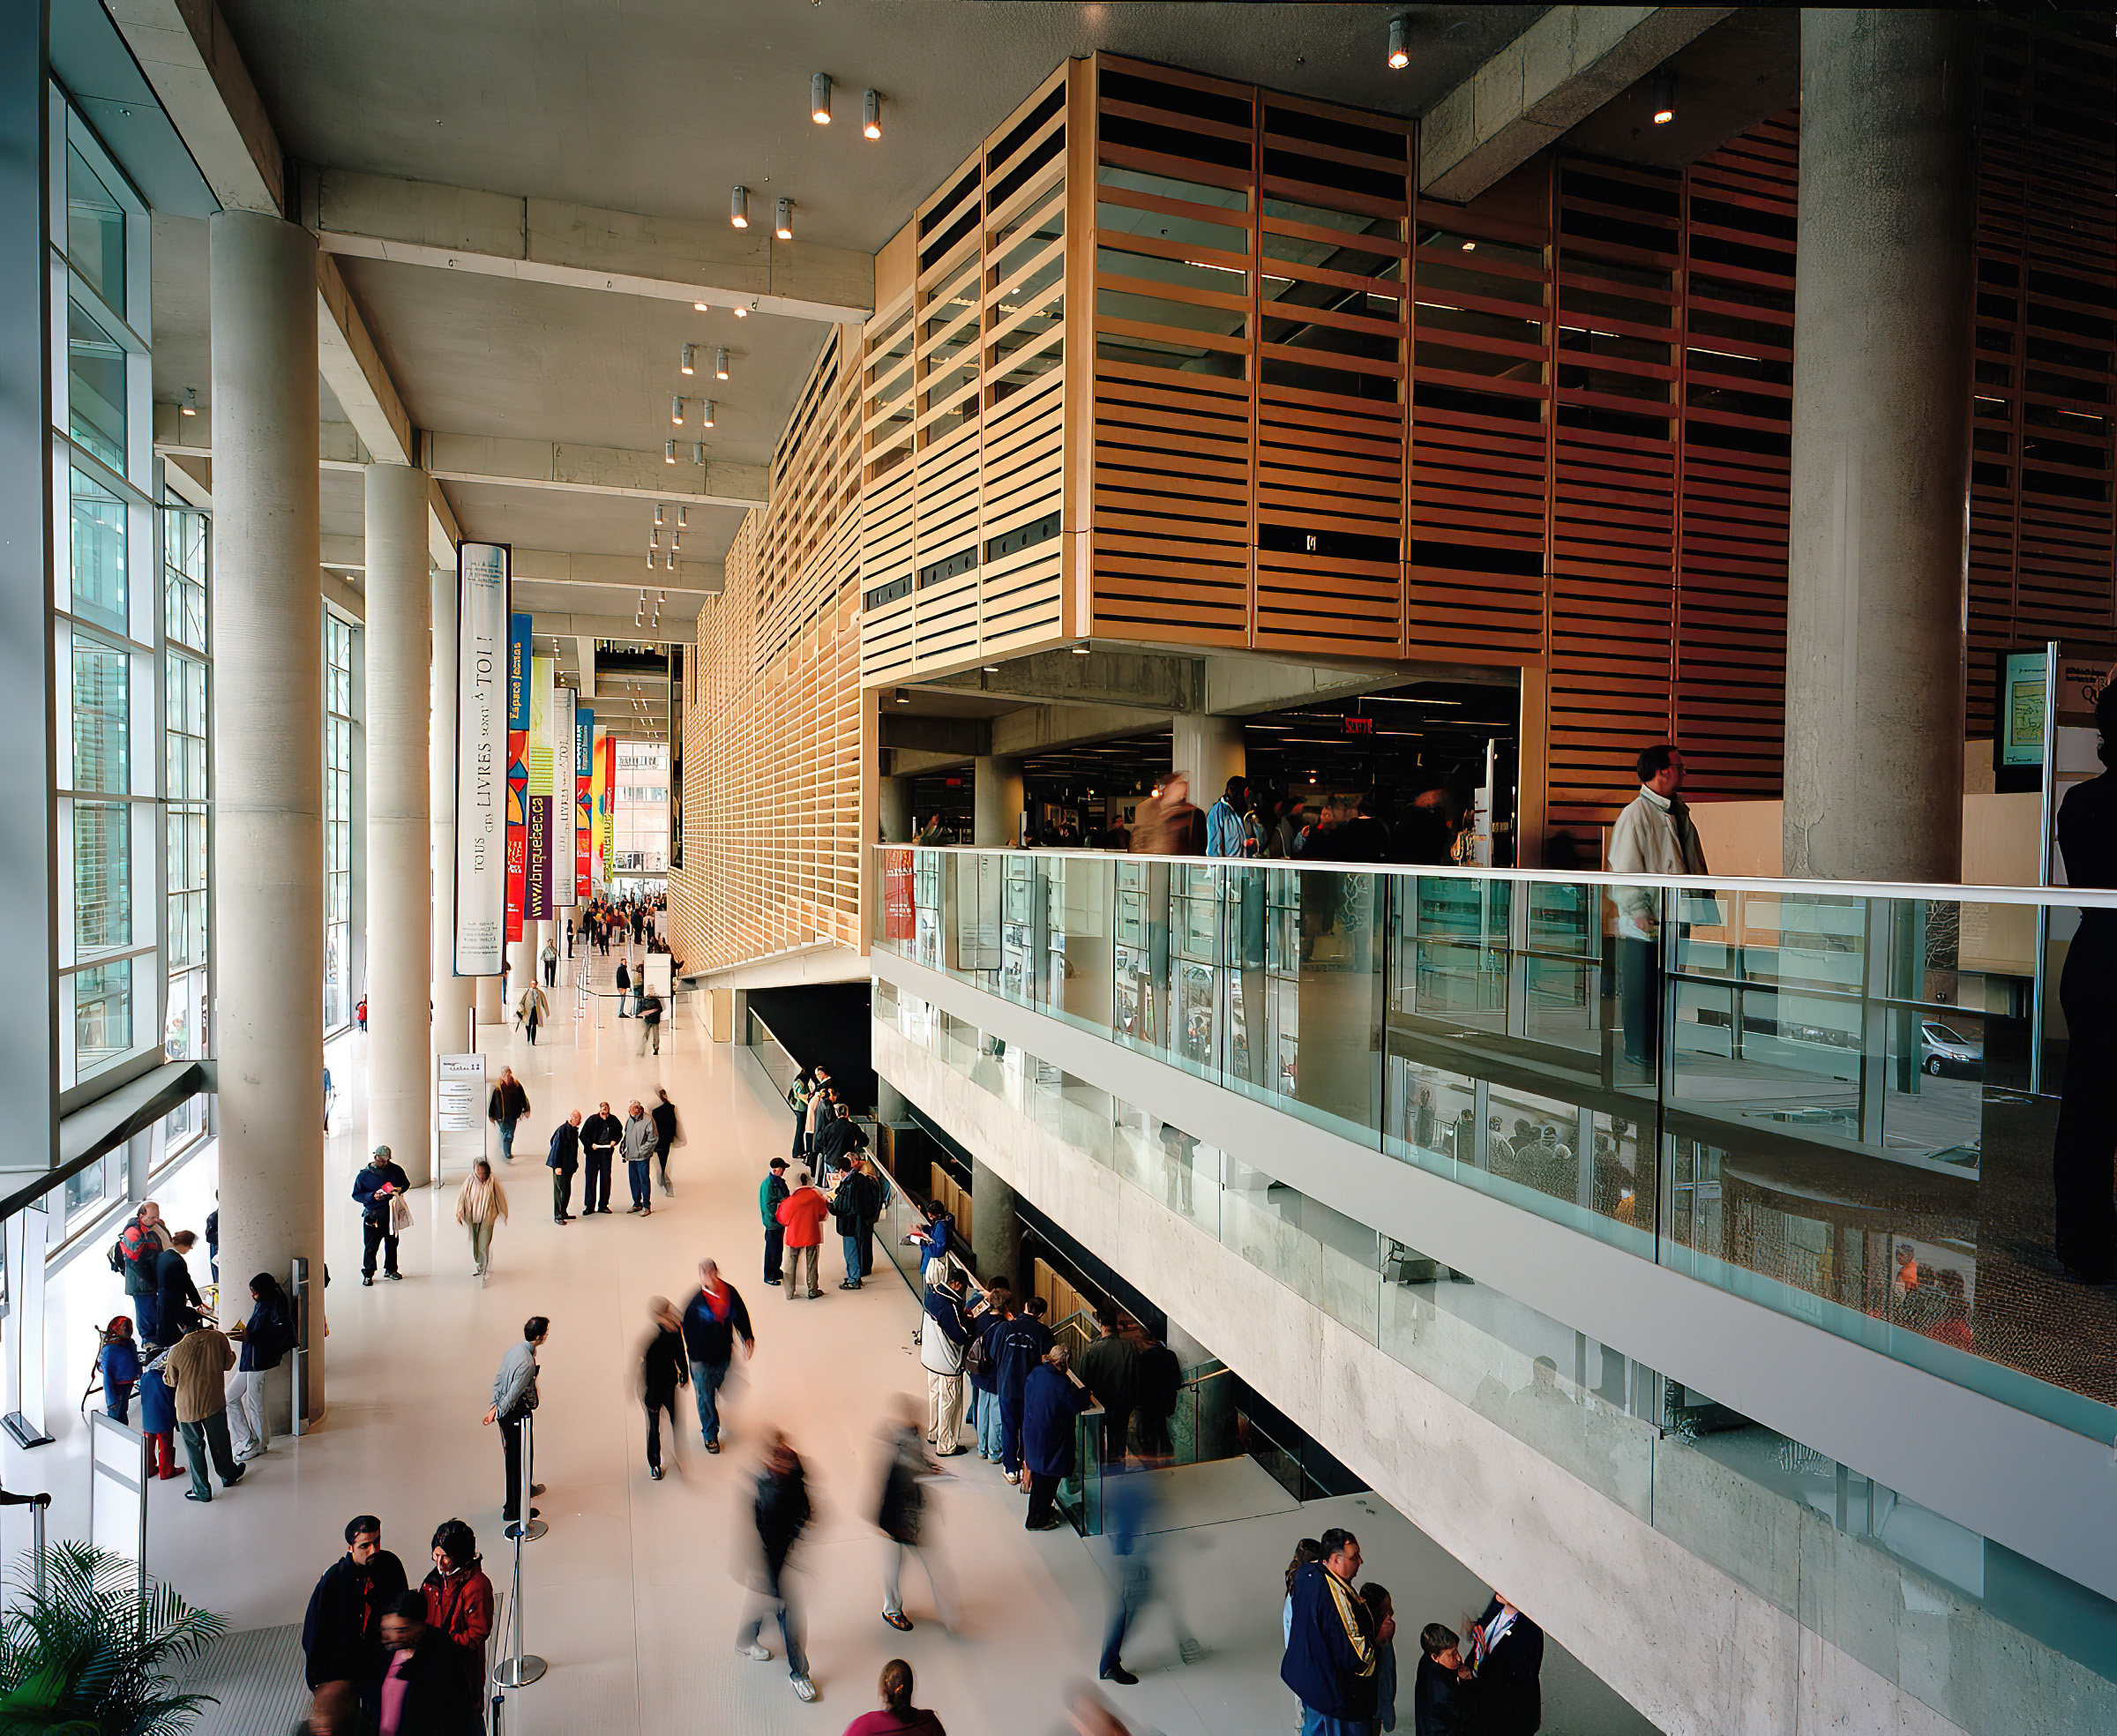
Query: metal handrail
x,y
1934,892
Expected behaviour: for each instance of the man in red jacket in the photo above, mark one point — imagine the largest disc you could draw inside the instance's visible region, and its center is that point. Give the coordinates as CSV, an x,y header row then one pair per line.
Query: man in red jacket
x,y
802,1212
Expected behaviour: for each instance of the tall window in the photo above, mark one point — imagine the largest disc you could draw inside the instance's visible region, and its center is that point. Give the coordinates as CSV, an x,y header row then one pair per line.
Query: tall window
x,y
184,1036
338,822
105,624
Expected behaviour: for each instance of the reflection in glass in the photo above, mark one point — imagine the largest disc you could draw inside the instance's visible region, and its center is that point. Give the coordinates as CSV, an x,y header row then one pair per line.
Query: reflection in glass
x,y
102,1014
102,876
97,546
102,687
96,231
95,388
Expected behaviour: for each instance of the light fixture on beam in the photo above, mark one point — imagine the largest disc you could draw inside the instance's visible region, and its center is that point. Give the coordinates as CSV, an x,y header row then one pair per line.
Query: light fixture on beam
x,y
659,509
719,363
684,512
820,99
782,219
1665,97
190,406
669,452
871,114
745,312
739,208
1080,650
704,413
699,307
698,453
684,366
676,411
1399,42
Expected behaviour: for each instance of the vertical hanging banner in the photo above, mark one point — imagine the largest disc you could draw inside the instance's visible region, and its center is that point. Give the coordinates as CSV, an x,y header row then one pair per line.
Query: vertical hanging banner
x,y
584,799
676,756
481,913
606,788
536,904
563,788
518,771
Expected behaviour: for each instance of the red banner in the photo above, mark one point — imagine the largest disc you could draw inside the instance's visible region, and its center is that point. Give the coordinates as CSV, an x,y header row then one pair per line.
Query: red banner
x,y
899,920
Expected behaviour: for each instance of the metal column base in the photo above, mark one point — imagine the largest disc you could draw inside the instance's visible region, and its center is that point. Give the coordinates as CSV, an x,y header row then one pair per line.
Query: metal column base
x,y
528,1533
520,1671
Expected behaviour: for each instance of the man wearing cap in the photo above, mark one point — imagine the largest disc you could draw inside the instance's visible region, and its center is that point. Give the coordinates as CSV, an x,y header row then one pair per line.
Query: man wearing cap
x,y
375,1188
771,1193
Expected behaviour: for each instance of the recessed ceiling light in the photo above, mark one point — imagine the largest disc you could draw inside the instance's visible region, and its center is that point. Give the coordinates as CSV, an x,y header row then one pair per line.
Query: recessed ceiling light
x,y
820,99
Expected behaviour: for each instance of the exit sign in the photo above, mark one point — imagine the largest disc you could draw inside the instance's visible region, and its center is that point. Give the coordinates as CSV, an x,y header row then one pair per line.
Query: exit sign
x,y
1359,726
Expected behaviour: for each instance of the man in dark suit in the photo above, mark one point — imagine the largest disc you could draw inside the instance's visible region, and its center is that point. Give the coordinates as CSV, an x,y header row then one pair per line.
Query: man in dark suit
x,y
1508,1660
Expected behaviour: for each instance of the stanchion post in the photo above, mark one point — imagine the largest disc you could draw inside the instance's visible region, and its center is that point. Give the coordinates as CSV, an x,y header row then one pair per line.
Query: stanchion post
x,y
36,1515
520,1668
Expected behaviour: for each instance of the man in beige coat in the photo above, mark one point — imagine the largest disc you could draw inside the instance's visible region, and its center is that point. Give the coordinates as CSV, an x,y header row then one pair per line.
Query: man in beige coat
x,y
1654,835
197,1374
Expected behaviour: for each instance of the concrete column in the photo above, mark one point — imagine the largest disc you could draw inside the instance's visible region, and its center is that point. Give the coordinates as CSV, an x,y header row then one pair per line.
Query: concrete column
x,y
400,900
1879,540
268,755
995,1226
454,996
897,822
491,1009
889,1101
1209,750
996,799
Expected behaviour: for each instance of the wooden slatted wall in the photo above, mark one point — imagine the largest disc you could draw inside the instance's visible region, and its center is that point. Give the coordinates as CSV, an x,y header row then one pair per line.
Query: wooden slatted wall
x,y
2040,463
962,414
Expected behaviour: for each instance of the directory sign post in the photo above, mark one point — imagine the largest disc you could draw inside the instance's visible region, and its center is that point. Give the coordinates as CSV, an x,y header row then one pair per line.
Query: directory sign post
x,y
458,1113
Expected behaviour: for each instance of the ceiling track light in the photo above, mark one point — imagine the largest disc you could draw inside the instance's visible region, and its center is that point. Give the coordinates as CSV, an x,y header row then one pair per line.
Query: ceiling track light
x,y
654,537
190,406
698,453
745,312
669,452
684,366
676,411
820,99
1665,97
684,512
739,208
704,413
719,363
1399,42
659,509
871,114
782,219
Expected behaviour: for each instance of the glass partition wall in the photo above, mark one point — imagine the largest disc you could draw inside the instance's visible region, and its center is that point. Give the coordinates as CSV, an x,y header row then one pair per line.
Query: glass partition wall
x,y
1829,1101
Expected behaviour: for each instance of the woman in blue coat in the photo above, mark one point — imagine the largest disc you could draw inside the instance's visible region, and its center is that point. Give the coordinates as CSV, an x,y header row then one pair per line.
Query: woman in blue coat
x,y
158,1419
1051,1403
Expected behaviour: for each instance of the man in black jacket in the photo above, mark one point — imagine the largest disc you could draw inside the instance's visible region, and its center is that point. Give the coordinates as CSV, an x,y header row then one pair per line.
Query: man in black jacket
x,y
563,1159
713,1319
177,1301
425,1675
782,1511
341,1634
855,1207
663,1367
1159,1377
376,1187
1507,1658
839,1139
599,1135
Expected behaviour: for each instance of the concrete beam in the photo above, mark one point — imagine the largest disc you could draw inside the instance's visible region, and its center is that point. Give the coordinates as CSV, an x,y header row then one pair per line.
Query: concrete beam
x,y
548,624
1238,687
352,368
971,735
1153,681
607,470
916,761
699,261
185,49
1548,80
618,572
1038,729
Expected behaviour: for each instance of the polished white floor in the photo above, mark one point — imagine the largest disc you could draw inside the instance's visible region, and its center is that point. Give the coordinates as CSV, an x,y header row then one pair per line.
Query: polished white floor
x,y
635,1595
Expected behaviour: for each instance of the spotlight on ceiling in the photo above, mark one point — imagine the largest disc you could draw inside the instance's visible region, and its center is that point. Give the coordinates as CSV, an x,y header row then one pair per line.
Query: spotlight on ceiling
x,y
190,406
698,307
676,411
782,219
1399,42
684,512
745,312
698,453
739,208
704,413
1665,97
1080,650
659,520
719,363
904,697
820,99
687,366
669,452
871,114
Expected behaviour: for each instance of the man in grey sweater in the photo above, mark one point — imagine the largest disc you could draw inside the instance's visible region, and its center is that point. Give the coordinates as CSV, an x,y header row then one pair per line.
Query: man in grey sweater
x,y
639,1156
513,1398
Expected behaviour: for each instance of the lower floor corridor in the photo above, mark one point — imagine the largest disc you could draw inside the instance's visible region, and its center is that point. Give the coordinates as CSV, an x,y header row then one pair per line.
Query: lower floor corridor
x,y
636,1594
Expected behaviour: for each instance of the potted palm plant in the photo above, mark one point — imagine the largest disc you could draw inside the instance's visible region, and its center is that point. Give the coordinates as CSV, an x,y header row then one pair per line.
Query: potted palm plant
x,y
87,1656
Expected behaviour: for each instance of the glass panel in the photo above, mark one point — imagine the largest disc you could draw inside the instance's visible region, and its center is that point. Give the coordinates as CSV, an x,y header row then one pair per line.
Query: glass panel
x,y
95,391
102,687
96,231
98,592
102,876
102,1015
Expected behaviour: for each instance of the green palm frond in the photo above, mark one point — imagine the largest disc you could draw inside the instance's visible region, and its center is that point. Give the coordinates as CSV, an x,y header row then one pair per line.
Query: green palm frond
x,y
88,1656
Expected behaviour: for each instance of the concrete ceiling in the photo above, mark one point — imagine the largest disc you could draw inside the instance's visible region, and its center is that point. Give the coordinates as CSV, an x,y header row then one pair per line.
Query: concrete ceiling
x,y
1745,69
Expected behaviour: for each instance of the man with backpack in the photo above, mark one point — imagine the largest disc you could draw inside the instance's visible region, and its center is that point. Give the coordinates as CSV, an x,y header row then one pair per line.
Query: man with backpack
x,y
134,1257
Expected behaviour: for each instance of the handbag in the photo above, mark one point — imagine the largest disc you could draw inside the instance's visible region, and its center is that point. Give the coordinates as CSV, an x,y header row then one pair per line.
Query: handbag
x,y
401,1213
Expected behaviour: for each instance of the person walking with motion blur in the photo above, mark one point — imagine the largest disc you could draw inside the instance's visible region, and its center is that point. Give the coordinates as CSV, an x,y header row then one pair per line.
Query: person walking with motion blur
x,y
480,1205
668,1132
640,1157
649,1005
505,1106
898,1717
781,1509
423,1691
1128,1522
713,1319
902,1517
532,1010
563,1159
664,1368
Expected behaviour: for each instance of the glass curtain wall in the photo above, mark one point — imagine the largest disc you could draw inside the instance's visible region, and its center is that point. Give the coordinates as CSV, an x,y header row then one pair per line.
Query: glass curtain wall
x,y
185,551
106,625
339,724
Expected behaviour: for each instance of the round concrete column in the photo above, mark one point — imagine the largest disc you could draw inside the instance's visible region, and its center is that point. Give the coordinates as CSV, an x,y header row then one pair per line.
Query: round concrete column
x,y
895,803
995,1227
1880,474
996,800
492,1009
268,757
1209,750
454,996
400,899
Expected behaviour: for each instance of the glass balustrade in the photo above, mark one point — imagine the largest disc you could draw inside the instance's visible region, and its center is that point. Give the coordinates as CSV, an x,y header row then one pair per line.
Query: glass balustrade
x,y
1839,1104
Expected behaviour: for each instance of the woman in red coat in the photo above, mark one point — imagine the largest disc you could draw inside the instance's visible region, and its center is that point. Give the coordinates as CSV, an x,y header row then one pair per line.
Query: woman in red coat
x,y
459,1599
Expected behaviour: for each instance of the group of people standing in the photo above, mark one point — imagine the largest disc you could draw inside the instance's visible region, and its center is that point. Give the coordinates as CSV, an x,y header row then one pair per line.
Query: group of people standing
x,y
1341,1656
594,1142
